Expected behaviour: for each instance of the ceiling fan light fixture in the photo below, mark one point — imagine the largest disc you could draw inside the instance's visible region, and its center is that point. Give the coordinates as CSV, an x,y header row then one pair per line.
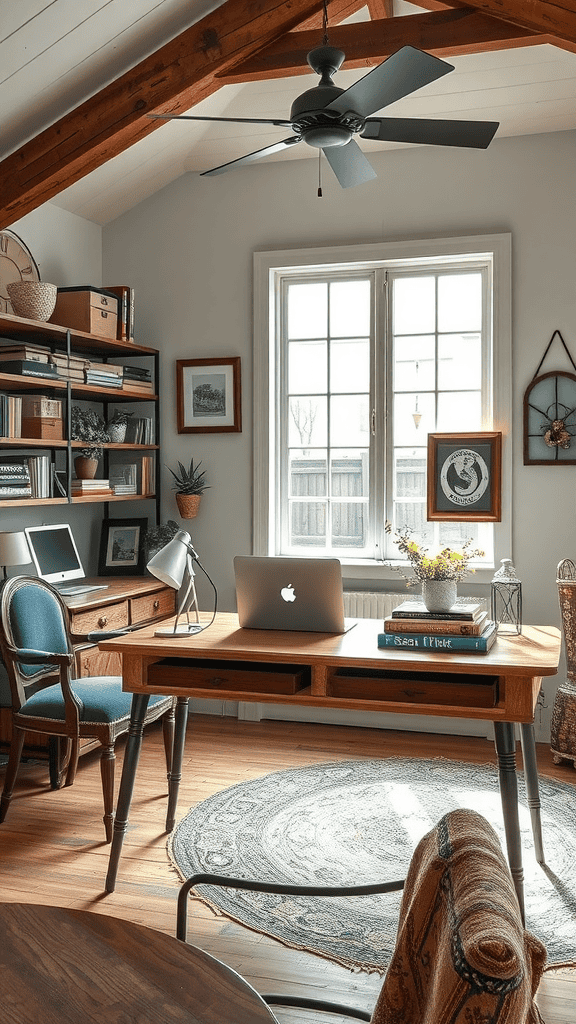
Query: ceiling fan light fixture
x,y
327,135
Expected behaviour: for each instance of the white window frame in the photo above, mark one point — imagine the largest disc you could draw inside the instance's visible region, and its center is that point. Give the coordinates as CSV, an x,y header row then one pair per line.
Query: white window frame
x,y
269,265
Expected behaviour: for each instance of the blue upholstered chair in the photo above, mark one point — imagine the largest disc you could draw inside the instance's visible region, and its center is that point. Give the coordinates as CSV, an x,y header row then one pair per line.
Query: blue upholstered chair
x,y
46,698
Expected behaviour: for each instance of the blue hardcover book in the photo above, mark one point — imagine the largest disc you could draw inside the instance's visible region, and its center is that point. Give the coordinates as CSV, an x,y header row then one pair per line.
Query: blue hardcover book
x,y
438,642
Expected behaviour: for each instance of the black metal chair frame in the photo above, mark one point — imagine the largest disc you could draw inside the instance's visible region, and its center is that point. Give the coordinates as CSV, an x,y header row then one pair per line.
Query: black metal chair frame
x,y
276,999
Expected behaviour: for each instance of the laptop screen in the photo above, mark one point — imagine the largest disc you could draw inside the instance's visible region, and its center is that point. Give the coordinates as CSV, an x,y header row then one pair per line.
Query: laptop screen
x,y
303,594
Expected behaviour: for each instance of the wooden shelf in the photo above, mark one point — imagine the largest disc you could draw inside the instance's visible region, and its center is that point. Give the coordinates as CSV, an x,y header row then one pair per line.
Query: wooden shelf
x,y
19,328
57,338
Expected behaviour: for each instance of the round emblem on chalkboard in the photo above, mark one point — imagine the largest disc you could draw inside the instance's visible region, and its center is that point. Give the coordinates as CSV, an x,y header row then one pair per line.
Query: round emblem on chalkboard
x,y
464,477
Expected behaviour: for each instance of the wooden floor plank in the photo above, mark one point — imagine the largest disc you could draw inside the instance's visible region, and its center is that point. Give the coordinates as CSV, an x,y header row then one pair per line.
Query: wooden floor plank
x,y
52,848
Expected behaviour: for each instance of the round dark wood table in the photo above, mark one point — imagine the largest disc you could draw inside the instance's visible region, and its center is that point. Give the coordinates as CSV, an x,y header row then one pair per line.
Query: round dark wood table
x,y
62,966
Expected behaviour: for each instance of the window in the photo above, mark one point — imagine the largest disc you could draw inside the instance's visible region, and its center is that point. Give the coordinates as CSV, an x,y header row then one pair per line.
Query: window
x,y
359,354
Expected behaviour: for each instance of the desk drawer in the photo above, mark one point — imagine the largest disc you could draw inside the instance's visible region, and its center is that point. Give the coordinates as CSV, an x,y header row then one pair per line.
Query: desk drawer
x,y
415,688
159,605
243,677
108,616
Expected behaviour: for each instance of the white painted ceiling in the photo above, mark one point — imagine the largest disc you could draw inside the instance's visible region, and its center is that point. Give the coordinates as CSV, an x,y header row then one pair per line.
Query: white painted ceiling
x,y
56,53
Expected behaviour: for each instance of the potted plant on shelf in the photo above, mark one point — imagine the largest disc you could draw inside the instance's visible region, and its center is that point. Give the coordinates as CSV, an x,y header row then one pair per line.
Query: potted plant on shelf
x,y
439,574
116,426
189,486
87,426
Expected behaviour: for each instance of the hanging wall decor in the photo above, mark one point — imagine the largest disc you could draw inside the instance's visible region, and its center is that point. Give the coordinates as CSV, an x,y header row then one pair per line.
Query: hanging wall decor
x,y
550,415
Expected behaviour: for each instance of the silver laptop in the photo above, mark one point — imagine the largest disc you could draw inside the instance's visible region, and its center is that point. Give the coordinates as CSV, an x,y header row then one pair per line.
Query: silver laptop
x,y
290,593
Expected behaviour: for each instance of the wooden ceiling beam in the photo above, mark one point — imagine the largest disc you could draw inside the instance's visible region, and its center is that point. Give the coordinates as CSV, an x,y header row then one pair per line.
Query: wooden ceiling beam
x,y
556,18
172,80
443,33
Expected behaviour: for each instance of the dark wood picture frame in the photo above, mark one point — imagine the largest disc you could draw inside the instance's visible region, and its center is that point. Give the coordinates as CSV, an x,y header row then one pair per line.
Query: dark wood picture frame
x,y
112,560
208,396
464,479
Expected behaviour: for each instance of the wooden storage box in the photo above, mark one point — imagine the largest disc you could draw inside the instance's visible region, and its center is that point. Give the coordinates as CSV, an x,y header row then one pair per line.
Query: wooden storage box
x,y
42,417
91,310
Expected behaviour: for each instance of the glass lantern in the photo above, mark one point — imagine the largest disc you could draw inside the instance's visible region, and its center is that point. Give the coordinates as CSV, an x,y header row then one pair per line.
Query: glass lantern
x,y
506,598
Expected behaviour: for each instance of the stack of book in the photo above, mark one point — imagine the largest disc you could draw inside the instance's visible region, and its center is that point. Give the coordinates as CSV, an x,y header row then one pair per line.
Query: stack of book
x,y
40,470
69,367
14,479
81,488
123,478
125,310
138,378
11,351
140,430
105,375
466,627
10,415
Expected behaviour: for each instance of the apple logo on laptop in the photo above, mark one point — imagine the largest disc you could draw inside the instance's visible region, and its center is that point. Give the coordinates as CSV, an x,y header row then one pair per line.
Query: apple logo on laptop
x,y
287,593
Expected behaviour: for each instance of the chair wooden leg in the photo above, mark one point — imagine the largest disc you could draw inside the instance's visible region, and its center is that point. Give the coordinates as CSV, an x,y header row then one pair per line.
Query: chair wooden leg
x,y
57,761
73,753
16,746
107,764
168,736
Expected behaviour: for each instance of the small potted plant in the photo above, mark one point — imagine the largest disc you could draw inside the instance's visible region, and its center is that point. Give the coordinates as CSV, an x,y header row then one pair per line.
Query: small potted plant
x,y
116,426
189,486
439,574
88,426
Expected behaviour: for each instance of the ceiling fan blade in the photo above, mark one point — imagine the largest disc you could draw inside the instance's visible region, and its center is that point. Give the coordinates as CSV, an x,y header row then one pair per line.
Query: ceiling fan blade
x,y
400,74
349,164
250,157
431,131
279,122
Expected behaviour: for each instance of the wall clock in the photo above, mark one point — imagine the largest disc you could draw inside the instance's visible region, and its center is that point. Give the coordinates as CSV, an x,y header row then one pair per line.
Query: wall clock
x,y
550,416
16,264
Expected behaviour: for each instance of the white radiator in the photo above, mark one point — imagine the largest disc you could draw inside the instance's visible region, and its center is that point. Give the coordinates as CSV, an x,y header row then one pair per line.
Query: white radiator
x,y
365,605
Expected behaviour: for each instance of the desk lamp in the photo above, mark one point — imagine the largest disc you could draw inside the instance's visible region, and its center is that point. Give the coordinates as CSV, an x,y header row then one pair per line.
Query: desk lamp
x,y
14,550
172,565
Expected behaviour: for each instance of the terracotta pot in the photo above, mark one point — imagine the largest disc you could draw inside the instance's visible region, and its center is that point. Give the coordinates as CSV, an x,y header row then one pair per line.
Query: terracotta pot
x,y
85,468
188,504
439,595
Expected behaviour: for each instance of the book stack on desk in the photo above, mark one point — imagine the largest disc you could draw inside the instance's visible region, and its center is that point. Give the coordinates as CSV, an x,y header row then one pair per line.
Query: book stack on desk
x,y
466,627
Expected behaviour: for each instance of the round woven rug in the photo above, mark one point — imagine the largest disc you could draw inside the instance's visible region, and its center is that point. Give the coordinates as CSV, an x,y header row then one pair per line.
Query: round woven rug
x,y
358,822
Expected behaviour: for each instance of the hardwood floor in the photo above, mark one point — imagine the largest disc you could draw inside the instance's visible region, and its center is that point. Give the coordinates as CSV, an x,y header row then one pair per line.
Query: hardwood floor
x,y
52,846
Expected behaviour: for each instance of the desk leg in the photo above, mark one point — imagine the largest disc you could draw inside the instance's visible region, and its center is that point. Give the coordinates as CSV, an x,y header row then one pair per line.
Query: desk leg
x,y
131,757
506,750
532,790
175,773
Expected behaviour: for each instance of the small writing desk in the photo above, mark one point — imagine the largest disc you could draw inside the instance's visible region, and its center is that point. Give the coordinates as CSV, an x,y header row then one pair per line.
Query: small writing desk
x,y
84,968
346,671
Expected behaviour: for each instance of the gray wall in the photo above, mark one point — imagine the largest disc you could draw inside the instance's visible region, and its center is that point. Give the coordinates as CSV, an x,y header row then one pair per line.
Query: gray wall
x,y
188,253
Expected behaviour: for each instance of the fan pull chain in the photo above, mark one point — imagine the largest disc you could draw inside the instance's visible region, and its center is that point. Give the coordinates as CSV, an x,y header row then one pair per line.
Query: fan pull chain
x,y
319,173
325,22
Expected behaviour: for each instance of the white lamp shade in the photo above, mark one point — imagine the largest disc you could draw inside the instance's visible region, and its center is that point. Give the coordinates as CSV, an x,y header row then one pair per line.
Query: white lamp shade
x,y
169,564
14,549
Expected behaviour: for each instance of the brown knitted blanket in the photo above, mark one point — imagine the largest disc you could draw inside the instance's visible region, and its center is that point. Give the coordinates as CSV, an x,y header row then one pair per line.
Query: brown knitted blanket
x,y
462,955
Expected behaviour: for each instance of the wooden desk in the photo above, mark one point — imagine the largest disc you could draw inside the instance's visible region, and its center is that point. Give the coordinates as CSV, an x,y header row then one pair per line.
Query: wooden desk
x,y
348,671
84,968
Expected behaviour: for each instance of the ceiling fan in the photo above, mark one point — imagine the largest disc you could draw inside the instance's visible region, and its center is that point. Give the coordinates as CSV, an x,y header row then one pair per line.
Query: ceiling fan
x,y
327,117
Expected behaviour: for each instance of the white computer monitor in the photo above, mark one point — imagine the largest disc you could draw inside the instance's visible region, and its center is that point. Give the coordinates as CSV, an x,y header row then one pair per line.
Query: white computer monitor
x,y
54,553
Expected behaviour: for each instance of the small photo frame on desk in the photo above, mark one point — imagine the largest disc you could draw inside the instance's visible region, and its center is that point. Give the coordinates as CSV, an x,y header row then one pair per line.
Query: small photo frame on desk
x,y
122,547
465,477
208,396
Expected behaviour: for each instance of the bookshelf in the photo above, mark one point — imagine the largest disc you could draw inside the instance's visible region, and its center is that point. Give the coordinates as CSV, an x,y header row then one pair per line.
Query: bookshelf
x,y
68,344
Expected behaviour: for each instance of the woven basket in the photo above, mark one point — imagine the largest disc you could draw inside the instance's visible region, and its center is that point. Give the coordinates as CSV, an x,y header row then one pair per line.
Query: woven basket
x,y
34,300
188,504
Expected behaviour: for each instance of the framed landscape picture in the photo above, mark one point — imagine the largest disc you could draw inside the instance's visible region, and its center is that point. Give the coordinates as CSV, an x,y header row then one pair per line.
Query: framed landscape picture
x,y
122,547
465,477
208,395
